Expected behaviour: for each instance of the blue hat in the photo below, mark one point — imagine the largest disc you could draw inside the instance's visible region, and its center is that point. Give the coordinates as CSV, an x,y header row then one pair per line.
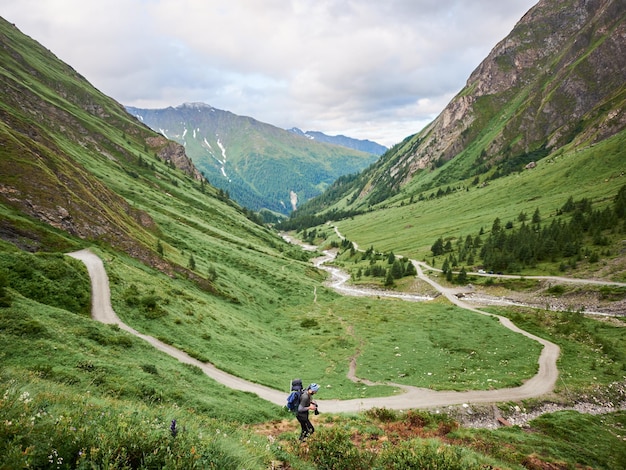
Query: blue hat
x,y
314,387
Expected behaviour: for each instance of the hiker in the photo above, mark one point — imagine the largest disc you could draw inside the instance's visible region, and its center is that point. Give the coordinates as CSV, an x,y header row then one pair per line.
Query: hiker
x,y
306,405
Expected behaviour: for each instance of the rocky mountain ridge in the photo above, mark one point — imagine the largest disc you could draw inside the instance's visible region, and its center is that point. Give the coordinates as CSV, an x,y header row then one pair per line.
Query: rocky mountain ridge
x,y
345,141
557,79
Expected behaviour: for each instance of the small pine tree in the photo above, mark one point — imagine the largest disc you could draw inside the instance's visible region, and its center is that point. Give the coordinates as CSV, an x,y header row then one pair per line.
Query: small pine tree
x,y
397,269
462,276
389,279
536,220
437,247
410,270
446,266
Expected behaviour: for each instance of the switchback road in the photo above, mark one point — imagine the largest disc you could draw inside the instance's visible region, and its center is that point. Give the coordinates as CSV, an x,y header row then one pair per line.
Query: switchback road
x,y
412,397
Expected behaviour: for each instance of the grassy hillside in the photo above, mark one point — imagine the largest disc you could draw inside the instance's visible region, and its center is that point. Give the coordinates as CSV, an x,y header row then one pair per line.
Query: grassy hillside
x,y
260,166
553,87
78,393
412,221
188,266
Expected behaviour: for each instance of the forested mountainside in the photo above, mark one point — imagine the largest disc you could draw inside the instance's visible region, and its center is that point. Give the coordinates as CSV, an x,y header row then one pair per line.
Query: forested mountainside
x,y
556,82
262,167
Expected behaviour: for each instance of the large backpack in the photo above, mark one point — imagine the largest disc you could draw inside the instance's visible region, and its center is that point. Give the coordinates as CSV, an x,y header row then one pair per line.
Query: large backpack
x,y
293,400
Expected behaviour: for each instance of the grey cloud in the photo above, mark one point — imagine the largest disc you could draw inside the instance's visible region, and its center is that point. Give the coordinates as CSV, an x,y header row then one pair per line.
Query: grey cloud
x,y
377,68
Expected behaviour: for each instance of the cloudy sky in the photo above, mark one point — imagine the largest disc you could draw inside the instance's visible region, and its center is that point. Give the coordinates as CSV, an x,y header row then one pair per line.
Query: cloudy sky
x,y
370,69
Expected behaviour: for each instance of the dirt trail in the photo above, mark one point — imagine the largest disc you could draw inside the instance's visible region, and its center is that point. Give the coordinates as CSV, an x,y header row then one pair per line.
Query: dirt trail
x,y
102,311
412,397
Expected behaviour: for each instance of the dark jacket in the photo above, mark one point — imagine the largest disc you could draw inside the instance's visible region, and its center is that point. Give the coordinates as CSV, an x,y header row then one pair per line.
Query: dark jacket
x,y
305,402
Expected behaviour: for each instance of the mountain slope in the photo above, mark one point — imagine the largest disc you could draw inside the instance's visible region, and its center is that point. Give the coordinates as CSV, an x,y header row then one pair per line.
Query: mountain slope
x,y
259,165
53,126
186,266
557,81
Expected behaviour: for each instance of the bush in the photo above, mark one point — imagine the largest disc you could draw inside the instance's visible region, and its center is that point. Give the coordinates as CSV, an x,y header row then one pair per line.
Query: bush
x,y
50,279
556,290
418,453
5,298
308,323
332,449
150,369
382,414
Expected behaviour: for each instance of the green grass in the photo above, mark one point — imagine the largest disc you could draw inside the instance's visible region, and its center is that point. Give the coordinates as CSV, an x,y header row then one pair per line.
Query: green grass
x,y
59,427
269,342
411,229
96,396
592,351
565,438
385,439
50,279
70,350
438,346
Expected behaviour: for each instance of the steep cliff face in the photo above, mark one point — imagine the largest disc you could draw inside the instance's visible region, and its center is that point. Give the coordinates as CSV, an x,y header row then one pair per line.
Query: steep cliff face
x,y
558,78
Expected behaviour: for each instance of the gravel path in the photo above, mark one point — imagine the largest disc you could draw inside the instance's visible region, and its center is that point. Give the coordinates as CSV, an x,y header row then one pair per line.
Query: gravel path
x,y
412,397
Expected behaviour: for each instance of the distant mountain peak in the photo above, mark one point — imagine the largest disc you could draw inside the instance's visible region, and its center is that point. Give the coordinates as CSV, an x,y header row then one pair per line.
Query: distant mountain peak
x,y
195,105
266,165
349,142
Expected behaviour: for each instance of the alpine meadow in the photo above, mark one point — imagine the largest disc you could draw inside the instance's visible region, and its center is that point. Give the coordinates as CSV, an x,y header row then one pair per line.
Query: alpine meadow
x,y
461,301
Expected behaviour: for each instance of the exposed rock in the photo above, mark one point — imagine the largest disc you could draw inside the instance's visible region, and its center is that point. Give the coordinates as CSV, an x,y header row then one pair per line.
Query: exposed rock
x,y
558,74
174,154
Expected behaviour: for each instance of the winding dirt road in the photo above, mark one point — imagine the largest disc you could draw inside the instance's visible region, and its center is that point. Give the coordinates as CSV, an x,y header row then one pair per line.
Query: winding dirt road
x,y
412,397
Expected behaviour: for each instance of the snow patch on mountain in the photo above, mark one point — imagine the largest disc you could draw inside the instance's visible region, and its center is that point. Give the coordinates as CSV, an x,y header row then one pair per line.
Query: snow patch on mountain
x,y
223,149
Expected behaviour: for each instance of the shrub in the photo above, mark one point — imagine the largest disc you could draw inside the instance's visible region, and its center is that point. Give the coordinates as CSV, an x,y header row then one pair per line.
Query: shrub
x,y
308,323
50,279
556,290
382,414
332,449
150,369
431,453
5,298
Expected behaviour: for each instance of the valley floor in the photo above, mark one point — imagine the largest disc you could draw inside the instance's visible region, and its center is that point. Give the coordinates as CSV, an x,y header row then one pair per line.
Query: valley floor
x,y
472,408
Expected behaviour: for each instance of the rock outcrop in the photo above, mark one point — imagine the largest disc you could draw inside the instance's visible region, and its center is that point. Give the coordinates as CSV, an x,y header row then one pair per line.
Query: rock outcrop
x,y
556,79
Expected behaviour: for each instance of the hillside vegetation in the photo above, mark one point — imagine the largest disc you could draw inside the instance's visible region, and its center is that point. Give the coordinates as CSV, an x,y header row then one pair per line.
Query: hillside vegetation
x,y
540,121
189,266
262,167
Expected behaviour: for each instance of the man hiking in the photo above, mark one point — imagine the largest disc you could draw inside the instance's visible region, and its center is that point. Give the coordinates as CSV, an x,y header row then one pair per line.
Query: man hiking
x,y
306,405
